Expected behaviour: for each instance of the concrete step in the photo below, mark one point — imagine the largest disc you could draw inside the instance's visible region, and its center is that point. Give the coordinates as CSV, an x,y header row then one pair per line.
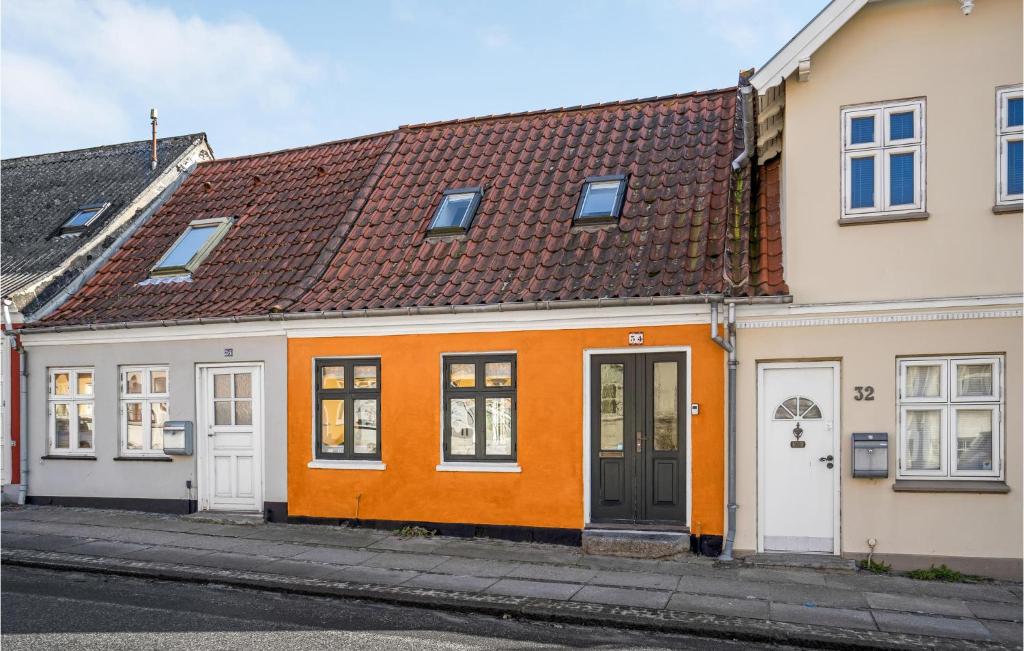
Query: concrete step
x,y
226,517
635,544
826,562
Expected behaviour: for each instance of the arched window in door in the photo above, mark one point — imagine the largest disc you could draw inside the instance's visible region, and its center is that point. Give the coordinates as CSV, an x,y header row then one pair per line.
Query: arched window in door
x,y
797,407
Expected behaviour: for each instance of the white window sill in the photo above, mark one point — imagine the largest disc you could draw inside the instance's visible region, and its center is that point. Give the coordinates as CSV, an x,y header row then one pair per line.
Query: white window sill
x,y
472,466
347,464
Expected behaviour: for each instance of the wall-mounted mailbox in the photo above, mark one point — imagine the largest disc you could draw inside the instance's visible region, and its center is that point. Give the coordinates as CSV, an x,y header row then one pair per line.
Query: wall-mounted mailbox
x,y
871,455
178,438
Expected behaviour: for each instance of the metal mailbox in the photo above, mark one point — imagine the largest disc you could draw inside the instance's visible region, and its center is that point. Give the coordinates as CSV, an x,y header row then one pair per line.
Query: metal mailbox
x,y
178,437
871,454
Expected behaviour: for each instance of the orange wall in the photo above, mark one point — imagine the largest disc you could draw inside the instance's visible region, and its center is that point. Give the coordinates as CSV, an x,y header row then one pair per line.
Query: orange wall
x,y
549,490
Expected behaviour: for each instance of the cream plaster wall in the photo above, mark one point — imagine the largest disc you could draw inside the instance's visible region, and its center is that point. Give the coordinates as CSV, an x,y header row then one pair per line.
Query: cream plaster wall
x,y
893,50
930,524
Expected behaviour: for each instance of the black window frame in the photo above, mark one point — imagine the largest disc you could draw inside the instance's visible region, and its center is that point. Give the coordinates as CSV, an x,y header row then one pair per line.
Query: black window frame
x,y
480,393
98,206
620,199
478,194
349,394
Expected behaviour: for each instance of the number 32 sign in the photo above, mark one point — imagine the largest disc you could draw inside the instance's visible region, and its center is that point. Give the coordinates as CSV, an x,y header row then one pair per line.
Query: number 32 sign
x,y
864,393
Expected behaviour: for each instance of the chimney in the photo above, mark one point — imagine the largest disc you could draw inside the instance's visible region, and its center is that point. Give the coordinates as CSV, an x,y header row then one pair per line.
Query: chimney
x,y
152,118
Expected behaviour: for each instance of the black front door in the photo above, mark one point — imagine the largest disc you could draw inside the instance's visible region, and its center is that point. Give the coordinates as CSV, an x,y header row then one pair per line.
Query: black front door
x,y
638,438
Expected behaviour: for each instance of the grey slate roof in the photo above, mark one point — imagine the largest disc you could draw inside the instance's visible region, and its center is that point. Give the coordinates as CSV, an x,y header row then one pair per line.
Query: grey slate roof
x,y
39,193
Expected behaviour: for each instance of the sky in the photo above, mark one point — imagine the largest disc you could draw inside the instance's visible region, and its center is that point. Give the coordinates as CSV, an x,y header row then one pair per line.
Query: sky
x,y
265,75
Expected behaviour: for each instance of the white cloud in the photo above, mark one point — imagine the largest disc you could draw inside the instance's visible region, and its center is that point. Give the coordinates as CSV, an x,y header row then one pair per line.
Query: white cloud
x,y
493,37
99,57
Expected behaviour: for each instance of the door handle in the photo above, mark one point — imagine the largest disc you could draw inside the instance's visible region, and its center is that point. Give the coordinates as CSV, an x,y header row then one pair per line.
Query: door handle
x,y
639,441
829,459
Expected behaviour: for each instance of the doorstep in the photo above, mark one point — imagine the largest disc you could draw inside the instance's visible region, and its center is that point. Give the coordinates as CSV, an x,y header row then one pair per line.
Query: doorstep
x,y
826,562
226,517
635,543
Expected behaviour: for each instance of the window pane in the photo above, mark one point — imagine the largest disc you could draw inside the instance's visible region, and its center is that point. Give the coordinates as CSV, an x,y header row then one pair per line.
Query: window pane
x,y
454,211
463,426
862,130
974,439
498,426
364,377
599,200
85,425
365,424
462,376
80,218
222,412
133,433
666,407
158,381
62,426
243,385
862,182
332,426
901,179
498,374
973,380
186,249
157,418
1015,167
901,125
243,412
923,382
924,439
221,385
612,406
332,377
61,384
133,382
84,381
1014,112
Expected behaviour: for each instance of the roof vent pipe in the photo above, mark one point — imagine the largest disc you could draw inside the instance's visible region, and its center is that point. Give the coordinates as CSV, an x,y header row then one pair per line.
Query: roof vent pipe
x,y
152,119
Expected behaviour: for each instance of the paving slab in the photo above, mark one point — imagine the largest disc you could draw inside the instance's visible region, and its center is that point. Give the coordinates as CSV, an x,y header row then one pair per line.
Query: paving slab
x,y
809,577
335,556
181,555
42,542
924,605
107,548
258,547
723,587
378,575
538,589
451,582
635,580
402,561
967,629
475,567
841,617
1005,632
803,594
623,596
299,568
426,544
995,610
552,573
730,606
229,561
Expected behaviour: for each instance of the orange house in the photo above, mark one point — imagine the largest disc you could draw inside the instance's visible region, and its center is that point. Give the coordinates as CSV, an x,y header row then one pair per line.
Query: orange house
x,y
512,338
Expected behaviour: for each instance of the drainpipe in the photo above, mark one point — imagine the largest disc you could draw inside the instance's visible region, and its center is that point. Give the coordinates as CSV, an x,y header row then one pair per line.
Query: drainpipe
x,y
23,402
728,344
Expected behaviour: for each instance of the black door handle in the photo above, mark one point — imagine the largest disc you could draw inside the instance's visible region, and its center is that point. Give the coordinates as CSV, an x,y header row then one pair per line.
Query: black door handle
x,y
828,458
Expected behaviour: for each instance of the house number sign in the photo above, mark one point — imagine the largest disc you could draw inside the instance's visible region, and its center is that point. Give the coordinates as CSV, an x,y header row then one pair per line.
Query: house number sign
x,y
866,393
636,339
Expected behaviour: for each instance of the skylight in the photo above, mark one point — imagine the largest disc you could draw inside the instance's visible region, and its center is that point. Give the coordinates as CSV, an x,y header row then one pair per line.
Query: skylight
x,y
456,211
82,218
602,198
192,247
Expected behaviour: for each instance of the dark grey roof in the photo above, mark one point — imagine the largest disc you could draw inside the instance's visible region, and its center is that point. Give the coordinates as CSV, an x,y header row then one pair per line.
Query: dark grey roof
x,y
39,193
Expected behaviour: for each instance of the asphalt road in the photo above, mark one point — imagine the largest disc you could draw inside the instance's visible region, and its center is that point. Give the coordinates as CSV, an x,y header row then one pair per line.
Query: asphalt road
x,y
43,609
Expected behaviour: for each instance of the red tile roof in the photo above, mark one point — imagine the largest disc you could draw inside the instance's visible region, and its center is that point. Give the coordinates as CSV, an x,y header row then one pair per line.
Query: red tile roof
x,y
343,226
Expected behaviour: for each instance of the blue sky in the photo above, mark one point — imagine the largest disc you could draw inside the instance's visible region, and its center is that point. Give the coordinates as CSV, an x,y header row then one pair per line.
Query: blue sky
x,y
258,76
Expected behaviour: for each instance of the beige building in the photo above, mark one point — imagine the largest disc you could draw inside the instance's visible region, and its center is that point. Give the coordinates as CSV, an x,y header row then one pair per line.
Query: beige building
x,y
897,124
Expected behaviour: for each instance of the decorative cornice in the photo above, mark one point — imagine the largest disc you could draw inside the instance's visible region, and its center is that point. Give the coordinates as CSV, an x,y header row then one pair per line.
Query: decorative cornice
x,y
879,318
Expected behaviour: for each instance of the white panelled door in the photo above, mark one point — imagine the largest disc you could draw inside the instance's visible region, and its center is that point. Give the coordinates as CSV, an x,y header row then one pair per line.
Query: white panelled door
x,y
799,457
231,445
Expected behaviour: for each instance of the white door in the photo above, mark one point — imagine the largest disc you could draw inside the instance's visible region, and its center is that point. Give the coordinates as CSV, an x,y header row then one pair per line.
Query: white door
x,y
799,457
232,463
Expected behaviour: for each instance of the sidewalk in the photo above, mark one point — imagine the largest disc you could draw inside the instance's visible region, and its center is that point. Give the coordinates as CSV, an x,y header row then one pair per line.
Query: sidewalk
x,y
694,595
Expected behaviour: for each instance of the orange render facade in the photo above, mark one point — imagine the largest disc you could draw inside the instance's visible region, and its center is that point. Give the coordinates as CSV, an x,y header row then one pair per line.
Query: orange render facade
x,y
549,489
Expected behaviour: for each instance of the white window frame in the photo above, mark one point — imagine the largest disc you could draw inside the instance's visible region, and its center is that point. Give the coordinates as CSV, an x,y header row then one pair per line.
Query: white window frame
x,y
146,397
949,404
73,399
881,148
1004,135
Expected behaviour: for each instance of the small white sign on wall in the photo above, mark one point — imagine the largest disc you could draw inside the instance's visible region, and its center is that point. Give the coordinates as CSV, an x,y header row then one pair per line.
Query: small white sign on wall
x,y
636,339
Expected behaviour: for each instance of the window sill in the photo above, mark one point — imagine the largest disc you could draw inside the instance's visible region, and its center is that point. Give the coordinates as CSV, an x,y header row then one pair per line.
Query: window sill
x,y
950,486
347,464
474,466
1002,208
141,457
78,457
853,220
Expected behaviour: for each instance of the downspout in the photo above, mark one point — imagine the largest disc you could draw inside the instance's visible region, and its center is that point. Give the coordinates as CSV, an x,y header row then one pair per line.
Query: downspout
x,y
22,402
728,343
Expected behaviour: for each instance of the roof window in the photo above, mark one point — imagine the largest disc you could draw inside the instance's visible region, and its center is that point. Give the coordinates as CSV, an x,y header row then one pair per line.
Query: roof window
x,y
82,218
189,250
602,198
456,211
